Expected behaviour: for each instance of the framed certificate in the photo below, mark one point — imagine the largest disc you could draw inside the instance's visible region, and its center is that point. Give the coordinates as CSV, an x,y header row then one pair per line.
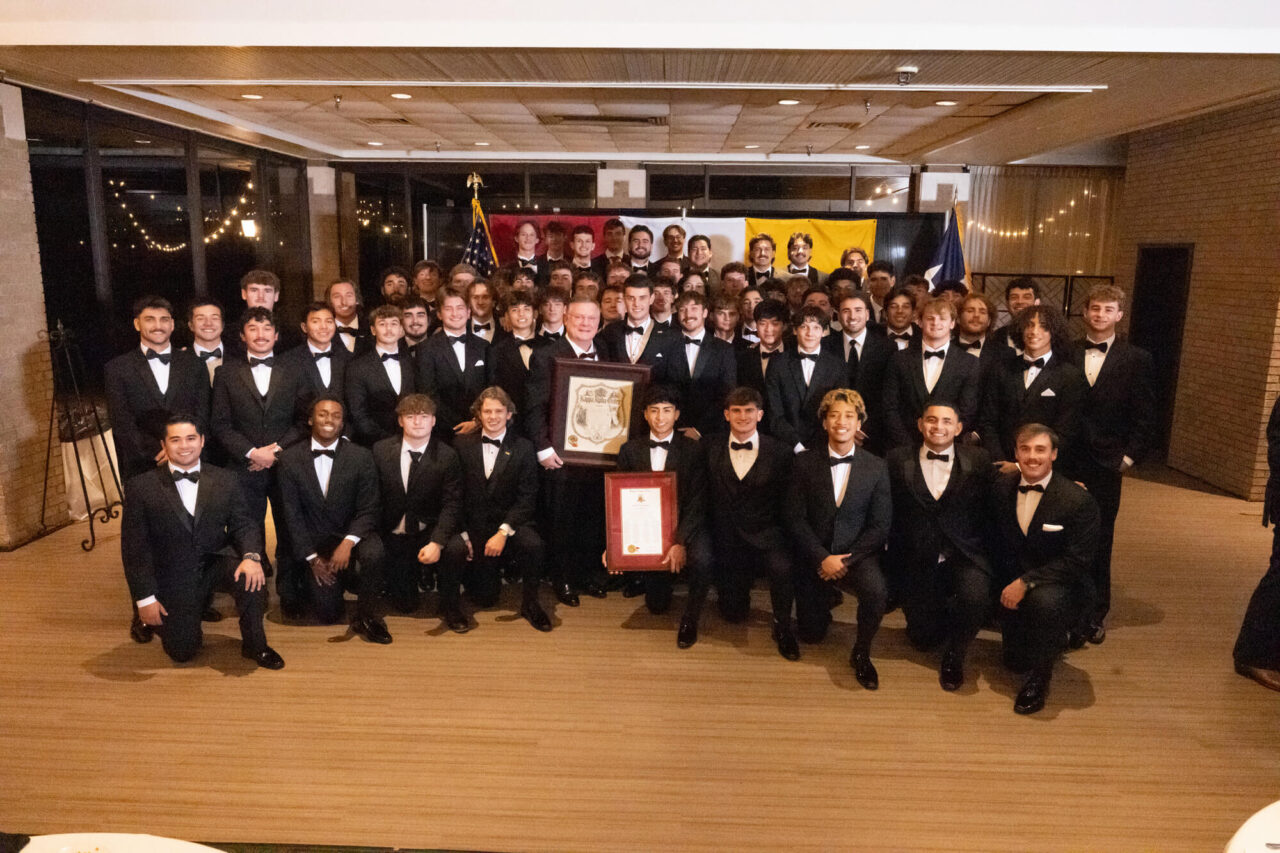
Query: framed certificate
x,y
640,519
592,405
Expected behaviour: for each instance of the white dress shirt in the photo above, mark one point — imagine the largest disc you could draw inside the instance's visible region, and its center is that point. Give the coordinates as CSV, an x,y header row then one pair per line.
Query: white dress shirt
x,y
405,461
902,342
658,455
1093,359
488,333
692,351
324,469
840,473
936,472
750,333
324,365
634,342
1030,372
932,366
525,349
390,366
982,342
1028,501
459,347
742,460
262,374
855,343
348,341
490,452
807,364
158,369
211,363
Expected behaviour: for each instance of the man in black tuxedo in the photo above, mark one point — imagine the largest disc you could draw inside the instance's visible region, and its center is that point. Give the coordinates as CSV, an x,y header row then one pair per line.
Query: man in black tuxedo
x,y
839,509
330,490
261,289
799,251
510,358
639,248
500,498
416,319
898,317
319,357
343,297
376,381
148,384
259,409
746,482
865,352
1118,425
421,484
637,339
1040,386
1257,649
205,321
666,450
937,542
761,249
1047,529
1019,294
703,369
755,360
182,525
797,384
934,369
453,368
527,235
573,496
480,304
974,334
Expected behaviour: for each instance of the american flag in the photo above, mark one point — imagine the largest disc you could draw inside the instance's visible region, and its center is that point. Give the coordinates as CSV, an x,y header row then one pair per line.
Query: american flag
x,y
479,252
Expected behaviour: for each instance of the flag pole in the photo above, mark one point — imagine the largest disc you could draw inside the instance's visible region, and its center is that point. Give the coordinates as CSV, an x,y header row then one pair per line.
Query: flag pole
x,y
474,183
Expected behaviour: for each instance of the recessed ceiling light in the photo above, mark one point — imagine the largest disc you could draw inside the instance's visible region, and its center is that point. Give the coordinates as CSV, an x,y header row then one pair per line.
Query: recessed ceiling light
x,y
862,147
142,141
401,96
249,97
945,103
788,102
376,144
751,146
482,143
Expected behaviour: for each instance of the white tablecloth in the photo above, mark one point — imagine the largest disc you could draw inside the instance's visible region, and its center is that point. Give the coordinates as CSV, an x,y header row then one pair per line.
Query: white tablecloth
x,y
1256,832
111,842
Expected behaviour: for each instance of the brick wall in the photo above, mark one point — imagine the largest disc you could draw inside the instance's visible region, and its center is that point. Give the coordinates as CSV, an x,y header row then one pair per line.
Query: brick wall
x,y
26,379
1214,181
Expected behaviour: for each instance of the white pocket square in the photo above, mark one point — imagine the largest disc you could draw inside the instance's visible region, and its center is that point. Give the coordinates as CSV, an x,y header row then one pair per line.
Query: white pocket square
x,y
657,356
1051,528
480,363
1048,392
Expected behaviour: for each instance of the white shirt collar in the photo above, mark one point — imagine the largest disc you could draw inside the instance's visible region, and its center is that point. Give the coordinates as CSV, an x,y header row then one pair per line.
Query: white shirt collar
x,y
316,445
800,351
941,348
754,439
859,339
644,325
1046,358
831,451
199,347
948,450
550,331
168,349
313,349
271,354
1023,481
381,351
405,446
577,350
697,336
193,469
500,436
670,436
1109,341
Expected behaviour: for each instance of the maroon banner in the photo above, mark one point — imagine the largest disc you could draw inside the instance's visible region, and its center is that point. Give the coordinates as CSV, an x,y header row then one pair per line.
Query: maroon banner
x,y
502,227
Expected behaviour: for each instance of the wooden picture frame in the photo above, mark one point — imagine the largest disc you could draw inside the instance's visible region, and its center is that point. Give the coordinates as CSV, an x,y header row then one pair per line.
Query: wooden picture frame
x,y
592,407
640,519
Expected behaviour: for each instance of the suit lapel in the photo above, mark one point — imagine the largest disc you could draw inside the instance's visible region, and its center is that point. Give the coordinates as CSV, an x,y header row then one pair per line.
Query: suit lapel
x,y
148,379
704,353
500,463
274,383
1108,364
916,372
914,476
170,489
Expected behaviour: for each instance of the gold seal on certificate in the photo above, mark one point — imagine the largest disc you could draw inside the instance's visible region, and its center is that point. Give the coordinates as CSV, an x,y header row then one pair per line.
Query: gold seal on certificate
x,y
640,513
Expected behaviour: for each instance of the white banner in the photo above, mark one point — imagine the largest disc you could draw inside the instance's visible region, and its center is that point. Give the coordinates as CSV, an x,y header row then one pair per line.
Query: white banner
x,y
728,235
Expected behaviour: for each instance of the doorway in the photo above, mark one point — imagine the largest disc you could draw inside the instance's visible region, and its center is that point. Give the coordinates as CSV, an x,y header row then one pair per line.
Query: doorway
x,y
1160,287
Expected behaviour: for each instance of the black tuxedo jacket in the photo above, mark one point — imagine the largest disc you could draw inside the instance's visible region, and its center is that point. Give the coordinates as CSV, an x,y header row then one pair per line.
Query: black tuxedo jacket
x,y
318,521
433,501
371,401
657,351
160,542
866,375
1055,399
364,337
686,459
453,388
815,277
541,375
506,370
243,419
791,408
955,524
906,397
1119,416
715,374
339,360
859,526
759,278
1061,540
508,496
748,511
139,411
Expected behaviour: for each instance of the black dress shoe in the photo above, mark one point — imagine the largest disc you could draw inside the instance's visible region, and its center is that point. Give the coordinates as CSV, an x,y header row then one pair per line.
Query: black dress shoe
x,y
951,673
1032,695
536,616
1096,634
456,622
1075,640
864,670
140,631
786,640
1268,678
267,658
688,634
372,629
633,587
595,590
210,615
566,596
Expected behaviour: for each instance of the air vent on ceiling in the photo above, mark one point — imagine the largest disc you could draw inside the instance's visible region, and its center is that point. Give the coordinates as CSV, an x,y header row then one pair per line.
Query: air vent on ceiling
x,y
607,121
387,122
833,125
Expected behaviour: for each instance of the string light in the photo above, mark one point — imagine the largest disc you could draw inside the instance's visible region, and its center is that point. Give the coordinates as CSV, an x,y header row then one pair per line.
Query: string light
x,y
169,248
1018,233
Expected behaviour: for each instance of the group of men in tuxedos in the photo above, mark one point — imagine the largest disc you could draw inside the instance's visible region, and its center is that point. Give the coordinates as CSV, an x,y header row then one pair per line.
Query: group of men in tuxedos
x,y
915,470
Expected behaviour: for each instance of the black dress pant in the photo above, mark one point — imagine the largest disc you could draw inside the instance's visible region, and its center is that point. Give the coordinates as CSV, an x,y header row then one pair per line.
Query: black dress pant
x,y
482,576
947,601
259,488
813,600
736,566
364,573
1258,643
404,573
1035,634
576,508
184,598
1105,486
660,586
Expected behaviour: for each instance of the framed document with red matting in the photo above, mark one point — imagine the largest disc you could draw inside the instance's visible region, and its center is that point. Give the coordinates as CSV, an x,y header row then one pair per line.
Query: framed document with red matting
x,y
640,519
592,407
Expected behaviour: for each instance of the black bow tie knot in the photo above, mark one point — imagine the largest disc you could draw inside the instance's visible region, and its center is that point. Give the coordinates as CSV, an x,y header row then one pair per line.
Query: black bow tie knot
x,y
591,355
1031,488
767,354
1100,346
969,345
162,357
481,327
349,330
899,336
937,353
212,353
745,445
553,336
665,444
456,339
317,452
269,361
635,330
941,457
389,356
811,356
1030,363
193,476
697,342
496,442
840,460
319,355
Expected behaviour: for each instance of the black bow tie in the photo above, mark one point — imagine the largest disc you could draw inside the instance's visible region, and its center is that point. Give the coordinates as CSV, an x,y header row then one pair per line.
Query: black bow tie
x,y
941,457
970,345
208,354
797,270
496,442
635,330
1027,363
766,354
319,355
1036,488
697,342
1100,347
812,356
317,452
591,355
481,327
746,445
349,330
162,357
389,356
553,336
456,339
938,353
531,263
899,336
269,361
665,444
193,476
839,460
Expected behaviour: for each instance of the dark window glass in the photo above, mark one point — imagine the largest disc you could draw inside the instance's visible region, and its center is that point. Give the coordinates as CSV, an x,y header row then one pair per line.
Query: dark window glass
x,y
682,189
231,223
780,187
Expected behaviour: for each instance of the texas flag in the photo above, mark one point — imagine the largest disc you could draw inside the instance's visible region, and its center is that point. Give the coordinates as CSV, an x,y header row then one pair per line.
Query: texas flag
x,y
948,260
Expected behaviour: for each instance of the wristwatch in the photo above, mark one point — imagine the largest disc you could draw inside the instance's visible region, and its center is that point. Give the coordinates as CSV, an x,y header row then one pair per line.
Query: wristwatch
x,y
252,555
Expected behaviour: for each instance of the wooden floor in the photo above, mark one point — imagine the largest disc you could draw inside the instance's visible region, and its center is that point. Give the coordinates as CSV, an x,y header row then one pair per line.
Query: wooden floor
x,y
604,736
